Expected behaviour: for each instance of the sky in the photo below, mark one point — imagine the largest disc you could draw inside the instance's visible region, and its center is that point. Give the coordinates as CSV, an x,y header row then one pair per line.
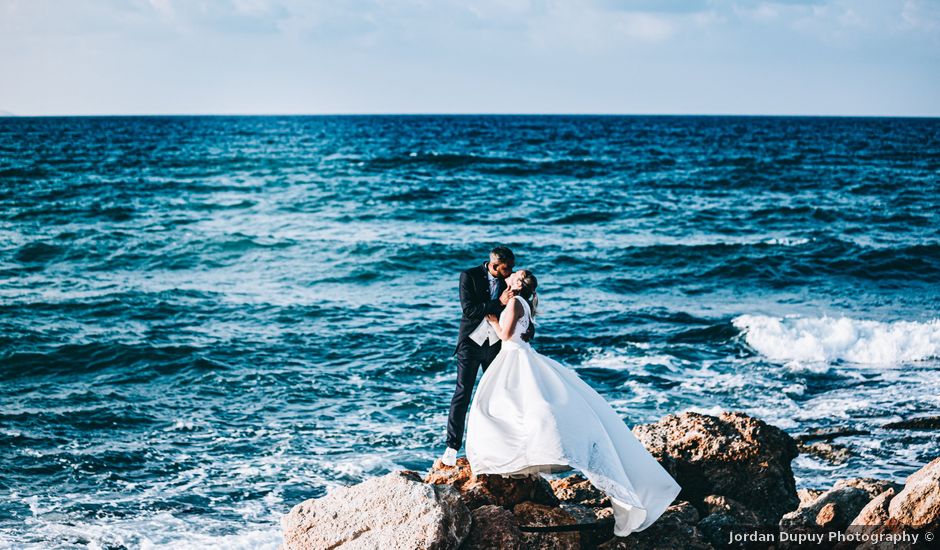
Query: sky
x,y
805,57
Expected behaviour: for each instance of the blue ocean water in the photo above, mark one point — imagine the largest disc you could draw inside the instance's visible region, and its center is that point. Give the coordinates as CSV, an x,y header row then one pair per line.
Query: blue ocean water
x,y
206,320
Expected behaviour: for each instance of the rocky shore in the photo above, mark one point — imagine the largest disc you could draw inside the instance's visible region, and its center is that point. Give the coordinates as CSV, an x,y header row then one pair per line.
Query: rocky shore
x,y
738,491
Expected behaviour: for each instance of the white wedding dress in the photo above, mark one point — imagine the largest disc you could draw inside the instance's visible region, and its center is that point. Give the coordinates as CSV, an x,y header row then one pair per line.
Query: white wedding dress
x,y
531,414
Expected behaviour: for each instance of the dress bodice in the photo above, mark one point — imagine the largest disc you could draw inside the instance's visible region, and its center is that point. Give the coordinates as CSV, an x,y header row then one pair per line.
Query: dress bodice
x,y
522,323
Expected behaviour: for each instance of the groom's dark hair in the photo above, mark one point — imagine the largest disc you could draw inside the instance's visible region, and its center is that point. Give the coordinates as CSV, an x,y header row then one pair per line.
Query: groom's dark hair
x,y
503,255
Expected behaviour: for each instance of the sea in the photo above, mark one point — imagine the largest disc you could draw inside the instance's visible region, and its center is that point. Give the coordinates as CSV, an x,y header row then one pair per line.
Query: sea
x,y
205,320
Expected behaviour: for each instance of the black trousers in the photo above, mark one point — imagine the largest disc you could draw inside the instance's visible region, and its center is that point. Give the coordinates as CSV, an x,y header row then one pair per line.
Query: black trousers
x,y
470,357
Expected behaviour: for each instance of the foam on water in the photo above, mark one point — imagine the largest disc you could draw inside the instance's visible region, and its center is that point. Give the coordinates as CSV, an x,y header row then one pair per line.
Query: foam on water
x,y
829,339
161,531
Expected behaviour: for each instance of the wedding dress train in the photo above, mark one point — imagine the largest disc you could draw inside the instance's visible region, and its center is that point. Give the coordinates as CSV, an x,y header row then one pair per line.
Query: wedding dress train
x,y
530,414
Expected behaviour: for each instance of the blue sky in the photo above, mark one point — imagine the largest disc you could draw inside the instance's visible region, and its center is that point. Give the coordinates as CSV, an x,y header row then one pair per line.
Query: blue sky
x,y
841,57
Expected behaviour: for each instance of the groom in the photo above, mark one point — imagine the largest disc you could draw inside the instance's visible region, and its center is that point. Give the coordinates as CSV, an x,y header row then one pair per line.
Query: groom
x,y
482,291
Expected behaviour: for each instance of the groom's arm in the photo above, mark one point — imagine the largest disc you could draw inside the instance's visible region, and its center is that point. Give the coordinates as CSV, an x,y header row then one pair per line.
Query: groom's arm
x,y
474,309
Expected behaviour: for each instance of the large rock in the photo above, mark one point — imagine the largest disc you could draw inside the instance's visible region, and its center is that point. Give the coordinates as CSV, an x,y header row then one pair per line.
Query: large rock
x,y
395,511
732,454
675,528
918,504
834,510
540,515
915,509
491,489
493,527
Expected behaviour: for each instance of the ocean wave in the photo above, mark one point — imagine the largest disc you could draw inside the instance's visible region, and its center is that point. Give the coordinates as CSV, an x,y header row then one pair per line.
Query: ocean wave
x,y
828,339
158,530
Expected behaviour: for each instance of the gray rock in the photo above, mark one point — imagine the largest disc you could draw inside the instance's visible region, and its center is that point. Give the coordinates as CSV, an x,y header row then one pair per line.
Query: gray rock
x,y
396,512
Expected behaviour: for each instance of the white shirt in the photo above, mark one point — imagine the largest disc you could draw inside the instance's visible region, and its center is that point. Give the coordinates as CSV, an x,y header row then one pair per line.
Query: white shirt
x,y
485,330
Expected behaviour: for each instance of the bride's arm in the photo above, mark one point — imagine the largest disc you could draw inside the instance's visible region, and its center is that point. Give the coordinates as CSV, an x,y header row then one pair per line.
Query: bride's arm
x,y
505,333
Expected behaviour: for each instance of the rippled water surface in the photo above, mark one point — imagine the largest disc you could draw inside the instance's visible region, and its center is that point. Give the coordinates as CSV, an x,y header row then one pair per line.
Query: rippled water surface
x,y
205,320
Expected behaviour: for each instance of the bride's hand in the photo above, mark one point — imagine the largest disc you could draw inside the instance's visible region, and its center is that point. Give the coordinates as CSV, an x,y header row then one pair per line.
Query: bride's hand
x,y
491,318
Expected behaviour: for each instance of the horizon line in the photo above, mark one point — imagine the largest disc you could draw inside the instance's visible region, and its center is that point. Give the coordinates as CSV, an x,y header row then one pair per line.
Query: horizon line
x,y
7,114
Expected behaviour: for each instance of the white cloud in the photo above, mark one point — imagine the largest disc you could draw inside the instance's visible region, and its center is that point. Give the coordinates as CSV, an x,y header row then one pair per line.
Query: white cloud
x,y
163,7
921,15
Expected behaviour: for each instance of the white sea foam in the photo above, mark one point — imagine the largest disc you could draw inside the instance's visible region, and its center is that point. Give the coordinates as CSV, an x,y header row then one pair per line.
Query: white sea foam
x,y
158,531
616,361
829,339
786,241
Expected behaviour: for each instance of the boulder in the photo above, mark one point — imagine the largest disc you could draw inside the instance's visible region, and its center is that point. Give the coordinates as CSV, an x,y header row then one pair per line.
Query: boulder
x,y
915,509
675,528
732,454
540,515
493,527
395,511
837,508
918,504
491,489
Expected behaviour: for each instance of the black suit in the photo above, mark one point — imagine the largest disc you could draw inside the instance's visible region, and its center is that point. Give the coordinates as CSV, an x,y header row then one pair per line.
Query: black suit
x,y
476,303
475,300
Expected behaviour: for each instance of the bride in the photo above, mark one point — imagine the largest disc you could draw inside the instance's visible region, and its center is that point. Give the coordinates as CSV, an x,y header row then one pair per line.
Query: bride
x,y
530,414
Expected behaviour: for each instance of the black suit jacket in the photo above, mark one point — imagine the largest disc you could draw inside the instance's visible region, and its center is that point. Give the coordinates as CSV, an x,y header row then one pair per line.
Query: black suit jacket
x,y
475,300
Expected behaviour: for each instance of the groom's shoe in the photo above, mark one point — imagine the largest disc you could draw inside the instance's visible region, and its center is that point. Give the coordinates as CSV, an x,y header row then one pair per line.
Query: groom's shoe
x,y
449,458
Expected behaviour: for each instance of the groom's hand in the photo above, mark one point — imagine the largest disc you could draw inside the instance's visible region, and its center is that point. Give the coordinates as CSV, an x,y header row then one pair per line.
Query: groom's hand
x,y
507,295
